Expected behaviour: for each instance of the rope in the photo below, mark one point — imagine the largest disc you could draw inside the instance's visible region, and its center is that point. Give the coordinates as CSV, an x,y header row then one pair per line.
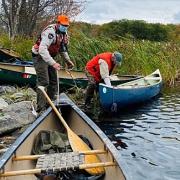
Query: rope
x,y
114,105
57,87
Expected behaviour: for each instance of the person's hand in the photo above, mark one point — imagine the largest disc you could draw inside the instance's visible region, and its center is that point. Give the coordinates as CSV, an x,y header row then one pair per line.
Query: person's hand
x,y
57,66
107,81
70,65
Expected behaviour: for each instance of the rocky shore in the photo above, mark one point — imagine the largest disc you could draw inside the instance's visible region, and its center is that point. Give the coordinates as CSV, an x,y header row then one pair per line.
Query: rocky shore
x,y
16,105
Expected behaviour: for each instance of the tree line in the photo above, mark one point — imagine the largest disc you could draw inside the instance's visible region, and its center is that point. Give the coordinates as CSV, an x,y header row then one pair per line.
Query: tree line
x,y
132,29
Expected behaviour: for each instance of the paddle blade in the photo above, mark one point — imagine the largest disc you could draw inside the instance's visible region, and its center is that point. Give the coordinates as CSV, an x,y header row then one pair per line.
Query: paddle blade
x,y
77,144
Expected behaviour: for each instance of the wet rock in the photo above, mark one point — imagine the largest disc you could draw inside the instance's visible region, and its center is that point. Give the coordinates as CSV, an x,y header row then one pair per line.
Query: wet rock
x,y
3,150
23,94
16,116
3,104
19,96
7,89
31,92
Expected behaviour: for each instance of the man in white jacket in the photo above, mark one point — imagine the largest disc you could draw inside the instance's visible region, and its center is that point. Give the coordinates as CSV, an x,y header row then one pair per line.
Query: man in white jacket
x,y
52,41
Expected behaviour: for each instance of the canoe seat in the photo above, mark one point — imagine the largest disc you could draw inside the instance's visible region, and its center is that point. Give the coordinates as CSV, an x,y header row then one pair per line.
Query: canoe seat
x,y
60,161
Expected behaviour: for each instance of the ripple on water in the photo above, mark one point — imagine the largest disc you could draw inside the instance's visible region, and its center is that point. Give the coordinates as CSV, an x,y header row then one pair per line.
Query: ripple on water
x,y
149,139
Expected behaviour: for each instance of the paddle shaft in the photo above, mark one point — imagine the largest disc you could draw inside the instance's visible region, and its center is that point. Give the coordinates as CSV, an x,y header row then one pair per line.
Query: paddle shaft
x,y
55,110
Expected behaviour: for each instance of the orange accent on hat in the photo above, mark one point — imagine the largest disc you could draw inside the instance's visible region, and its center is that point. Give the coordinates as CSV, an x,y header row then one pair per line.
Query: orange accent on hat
x,y
63,19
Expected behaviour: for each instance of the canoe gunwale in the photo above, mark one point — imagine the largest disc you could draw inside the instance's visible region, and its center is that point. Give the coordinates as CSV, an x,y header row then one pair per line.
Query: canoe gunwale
x,y
123,86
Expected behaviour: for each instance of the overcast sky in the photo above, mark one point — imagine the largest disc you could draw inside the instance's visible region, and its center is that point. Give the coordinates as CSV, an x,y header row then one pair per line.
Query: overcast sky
x,y
102,11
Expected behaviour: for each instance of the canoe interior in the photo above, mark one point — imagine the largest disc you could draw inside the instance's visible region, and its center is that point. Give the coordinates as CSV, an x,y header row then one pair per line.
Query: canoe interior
x,y
49,121
149,80
140,83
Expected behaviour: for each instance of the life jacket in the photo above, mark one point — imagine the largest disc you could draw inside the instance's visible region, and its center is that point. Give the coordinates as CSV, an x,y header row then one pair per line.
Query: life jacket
x,y
93,66
59,45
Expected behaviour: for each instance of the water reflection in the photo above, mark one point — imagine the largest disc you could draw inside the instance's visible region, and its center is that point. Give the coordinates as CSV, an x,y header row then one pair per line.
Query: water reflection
x,y
148,138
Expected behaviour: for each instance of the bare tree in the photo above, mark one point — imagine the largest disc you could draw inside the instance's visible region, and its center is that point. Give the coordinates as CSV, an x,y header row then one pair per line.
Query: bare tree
x,y
20,16
69,7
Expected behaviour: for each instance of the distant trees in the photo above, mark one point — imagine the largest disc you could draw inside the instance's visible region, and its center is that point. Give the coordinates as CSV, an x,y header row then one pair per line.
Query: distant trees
x,y
130,29
136,29
19,17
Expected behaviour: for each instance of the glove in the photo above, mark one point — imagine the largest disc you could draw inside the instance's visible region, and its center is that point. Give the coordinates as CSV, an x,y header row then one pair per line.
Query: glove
x,y
57,66
67,60
107,81
70,65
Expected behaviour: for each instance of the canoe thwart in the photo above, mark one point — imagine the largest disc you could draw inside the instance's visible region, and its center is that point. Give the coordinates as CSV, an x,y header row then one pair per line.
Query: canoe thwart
x,y
33,157
35,171
152,78
59,162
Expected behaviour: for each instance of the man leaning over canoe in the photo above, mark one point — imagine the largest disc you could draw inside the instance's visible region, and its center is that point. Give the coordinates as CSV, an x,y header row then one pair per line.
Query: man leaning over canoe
x,y
99,69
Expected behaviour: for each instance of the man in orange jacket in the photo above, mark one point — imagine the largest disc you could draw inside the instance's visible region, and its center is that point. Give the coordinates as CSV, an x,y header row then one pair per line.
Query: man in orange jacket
x,y
100,68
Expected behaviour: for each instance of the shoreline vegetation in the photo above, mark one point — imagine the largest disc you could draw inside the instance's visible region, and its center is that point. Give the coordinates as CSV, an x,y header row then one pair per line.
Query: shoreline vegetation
x,y
140,56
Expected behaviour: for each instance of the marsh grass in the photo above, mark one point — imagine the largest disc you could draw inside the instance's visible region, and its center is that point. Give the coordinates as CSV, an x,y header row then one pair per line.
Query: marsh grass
x,y
21,45
139,57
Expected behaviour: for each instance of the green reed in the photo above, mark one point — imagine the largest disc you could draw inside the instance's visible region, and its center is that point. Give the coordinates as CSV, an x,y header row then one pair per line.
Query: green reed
x,y
139,57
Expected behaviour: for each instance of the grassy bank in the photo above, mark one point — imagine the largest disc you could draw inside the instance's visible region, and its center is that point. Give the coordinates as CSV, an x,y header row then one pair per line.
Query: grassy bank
x,y
140,57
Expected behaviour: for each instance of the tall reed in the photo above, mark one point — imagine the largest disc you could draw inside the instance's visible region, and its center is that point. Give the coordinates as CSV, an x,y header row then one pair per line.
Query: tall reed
x,y
139,57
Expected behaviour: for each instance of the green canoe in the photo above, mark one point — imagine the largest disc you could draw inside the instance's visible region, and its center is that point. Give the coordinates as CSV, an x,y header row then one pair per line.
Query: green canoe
x,y
22,75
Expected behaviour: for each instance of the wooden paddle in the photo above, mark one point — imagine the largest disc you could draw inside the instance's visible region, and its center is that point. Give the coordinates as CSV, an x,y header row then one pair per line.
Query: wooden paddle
x,y
77,144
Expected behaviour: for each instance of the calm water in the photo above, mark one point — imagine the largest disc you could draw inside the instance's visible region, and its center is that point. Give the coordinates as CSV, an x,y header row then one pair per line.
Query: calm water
x,y
148,138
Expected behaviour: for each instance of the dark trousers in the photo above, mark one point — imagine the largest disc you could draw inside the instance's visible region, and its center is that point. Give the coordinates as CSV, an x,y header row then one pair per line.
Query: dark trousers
x,y
91,88
47,77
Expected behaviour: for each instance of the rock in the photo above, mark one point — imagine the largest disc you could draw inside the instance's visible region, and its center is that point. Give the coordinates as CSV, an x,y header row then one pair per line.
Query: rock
x,y
16,116
31,92
19,96
3,104
3,150
16,95
7,124
7,89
